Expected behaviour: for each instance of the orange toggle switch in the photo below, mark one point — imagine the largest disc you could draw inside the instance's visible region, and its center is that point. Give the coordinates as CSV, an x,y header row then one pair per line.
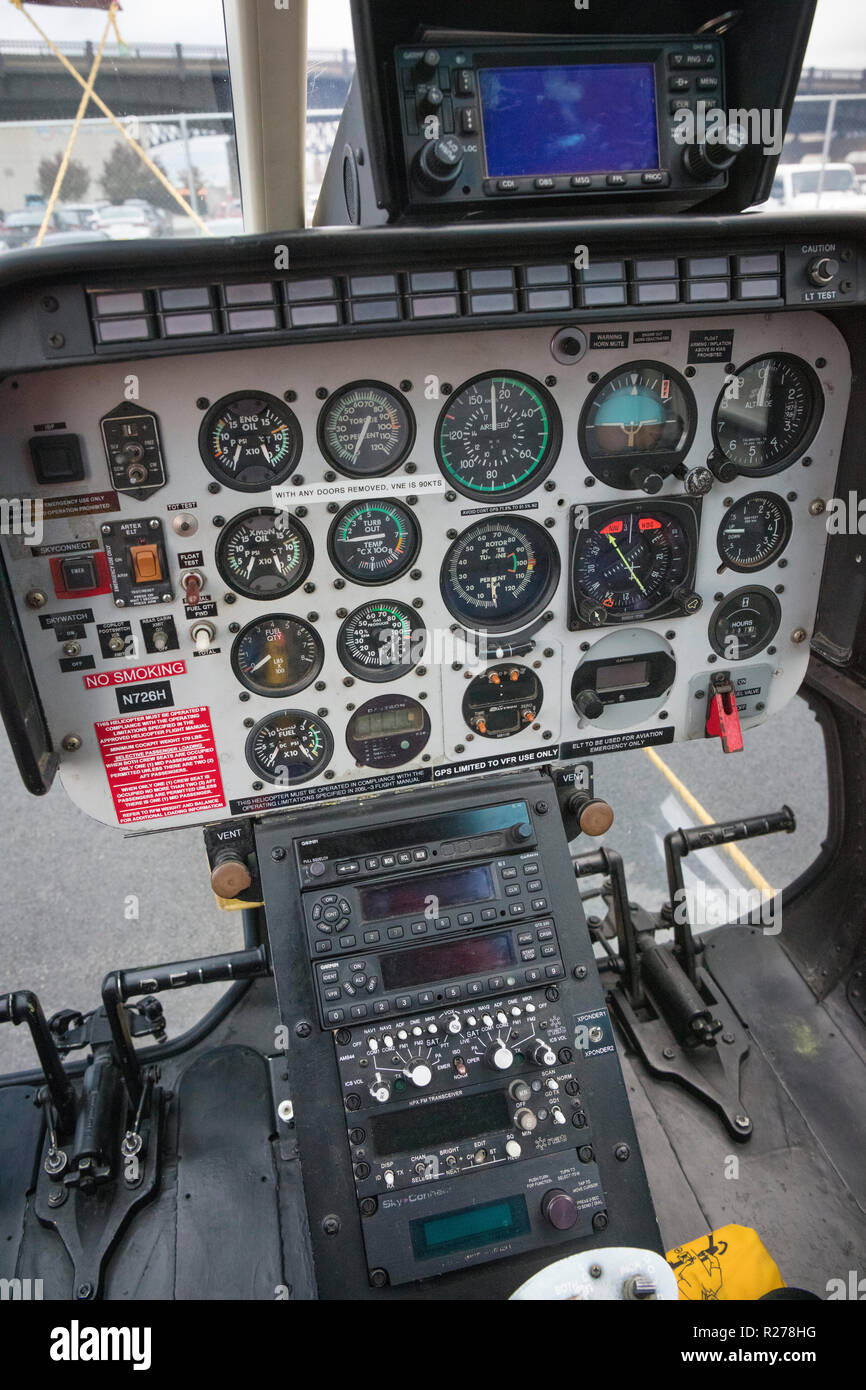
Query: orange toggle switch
x,y
145,563
724,721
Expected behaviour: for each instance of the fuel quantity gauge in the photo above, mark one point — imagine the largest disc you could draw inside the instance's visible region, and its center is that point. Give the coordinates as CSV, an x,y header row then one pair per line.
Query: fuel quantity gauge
x,y
277,655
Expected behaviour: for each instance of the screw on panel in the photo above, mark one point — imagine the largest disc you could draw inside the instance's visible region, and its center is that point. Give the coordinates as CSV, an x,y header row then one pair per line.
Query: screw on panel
x,y
71,743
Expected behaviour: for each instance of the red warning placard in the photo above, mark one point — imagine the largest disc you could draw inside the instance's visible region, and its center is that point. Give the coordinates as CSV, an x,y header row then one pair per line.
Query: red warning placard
x,y
161,765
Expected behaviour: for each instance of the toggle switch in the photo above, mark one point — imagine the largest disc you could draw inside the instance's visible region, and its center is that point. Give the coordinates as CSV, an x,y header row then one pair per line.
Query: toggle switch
x,y
192,583
146,567
724,719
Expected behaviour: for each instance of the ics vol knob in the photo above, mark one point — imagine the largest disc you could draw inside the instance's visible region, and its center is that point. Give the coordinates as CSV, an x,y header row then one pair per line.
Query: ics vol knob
x,y
439,164
559,1209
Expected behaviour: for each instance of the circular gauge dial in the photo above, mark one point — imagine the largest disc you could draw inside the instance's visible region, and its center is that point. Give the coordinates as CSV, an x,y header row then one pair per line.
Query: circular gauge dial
x,y
744,623
754,531
366,429
277,655
629,563
500,573
381,640
503,700
289,747
374,542
263,553
387,731
642,412
768,414
498,435
250,441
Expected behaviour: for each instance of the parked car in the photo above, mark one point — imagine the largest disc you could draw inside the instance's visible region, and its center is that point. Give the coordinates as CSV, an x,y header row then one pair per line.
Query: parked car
x,y
804,186
20,227
126,222
70,238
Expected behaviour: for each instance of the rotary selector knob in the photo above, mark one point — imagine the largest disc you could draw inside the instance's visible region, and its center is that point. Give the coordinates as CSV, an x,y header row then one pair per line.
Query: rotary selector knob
x,y
439,164
520,1090
697,482
380,1090
419,1074
559,1209
454,1025
706,161
542,1054
588,705
525,1119
499,1057
646,479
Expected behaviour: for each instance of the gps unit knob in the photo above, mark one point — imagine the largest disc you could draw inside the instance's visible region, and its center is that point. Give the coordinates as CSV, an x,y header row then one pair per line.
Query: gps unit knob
x,y
707,160
439,164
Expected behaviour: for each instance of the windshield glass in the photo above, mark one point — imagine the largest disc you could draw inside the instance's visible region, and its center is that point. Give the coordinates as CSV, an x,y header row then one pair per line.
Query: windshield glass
x,y
833,180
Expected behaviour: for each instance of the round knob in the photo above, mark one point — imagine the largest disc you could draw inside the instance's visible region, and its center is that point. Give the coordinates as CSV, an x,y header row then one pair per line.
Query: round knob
x,y
230,876
723,469
639,1287
513,1149
594,816
588,705
686,599
559,1209
432,98
454,1025
541,1054
419,1074
707,161
439,164
499,1057
428,63
526,1120
646,478
823,270
593,614
697,481
521,832
380,1090
520,1090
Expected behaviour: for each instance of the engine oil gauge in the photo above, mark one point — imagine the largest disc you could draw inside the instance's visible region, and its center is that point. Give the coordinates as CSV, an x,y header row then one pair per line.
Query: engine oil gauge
x,y
250,441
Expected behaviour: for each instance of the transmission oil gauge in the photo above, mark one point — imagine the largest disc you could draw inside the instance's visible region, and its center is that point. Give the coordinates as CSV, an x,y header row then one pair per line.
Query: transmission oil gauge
x,y
249,441
366,429
289,747
768,414
754,532
387,731
500,573
374,542
381,640
637,425
263,553
498,436
277,655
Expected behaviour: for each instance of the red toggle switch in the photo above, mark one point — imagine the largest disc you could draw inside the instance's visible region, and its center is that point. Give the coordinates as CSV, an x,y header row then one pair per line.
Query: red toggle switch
x,y
724,721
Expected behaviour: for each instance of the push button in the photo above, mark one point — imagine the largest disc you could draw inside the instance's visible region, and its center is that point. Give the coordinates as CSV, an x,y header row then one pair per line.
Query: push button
x,y
78,574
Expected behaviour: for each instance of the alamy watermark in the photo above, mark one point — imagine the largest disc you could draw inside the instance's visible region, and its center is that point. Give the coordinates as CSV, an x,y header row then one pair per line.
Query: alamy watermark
x,y
22,516
709,125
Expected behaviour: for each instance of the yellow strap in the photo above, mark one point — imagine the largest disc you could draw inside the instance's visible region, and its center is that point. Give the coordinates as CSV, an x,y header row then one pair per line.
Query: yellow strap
x,y
97,101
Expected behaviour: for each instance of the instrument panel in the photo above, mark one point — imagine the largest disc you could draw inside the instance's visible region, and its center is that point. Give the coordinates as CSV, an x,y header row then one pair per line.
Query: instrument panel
x,y
280,575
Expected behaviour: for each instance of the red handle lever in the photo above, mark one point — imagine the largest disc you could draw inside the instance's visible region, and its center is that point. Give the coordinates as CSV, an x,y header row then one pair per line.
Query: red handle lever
x,y
724,722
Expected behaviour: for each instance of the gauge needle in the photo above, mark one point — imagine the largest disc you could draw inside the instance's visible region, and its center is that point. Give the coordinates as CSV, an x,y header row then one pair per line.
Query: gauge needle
x,y
494,424
265,452
251,566
626,563
259,664
494,585
237,454
362,436
762,394
359,540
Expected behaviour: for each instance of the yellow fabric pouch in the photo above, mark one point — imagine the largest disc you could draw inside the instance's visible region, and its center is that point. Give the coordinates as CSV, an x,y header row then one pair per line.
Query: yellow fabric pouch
x,y
729,1264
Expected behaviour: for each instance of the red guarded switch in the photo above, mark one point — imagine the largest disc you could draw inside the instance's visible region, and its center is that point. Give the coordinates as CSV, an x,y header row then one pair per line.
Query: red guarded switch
x,y
724,721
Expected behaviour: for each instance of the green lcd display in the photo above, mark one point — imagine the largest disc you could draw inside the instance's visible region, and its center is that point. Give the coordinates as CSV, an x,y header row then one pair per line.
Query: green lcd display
x,y
469,1228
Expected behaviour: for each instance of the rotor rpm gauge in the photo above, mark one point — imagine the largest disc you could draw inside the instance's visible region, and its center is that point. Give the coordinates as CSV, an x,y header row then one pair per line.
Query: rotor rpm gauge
x,y
387,731
744,623
289,747
277,655
498,435
250,441
499,573
381,640
366,429
374,542
768,414
754,531
638,421
264,553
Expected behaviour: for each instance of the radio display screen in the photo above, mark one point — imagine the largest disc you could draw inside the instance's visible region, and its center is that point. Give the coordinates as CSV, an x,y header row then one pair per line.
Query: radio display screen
x,y
447,1122
592,118
447,960
409,896
469,1228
